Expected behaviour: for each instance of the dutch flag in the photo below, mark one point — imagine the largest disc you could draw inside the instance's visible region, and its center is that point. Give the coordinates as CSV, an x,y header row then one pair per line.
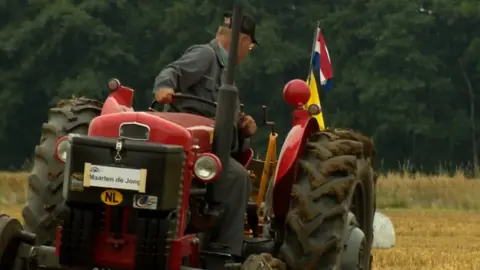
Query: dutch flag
x,y
322,67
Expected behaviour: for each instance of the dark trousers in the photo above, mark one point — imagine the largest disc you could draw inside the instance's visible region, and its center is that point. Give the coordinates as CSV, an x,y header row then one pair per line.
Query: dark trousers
x,y
233,192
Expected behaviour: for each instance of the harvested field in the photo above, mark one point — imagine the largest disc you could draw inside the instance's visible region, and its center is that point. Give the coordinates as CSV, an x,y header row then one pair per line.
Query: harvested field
x,y
435,219
432,240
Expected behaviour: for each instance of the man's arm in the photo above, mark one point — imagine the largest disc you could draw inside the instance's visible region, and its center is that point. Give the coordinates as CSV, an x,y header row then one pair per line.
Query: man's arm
x,y
187,70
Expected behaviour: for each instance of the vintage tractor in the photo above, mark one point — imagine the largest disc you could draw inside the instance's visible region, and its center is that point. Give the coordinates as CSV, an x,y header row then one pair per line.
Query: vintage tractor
x,y
117,189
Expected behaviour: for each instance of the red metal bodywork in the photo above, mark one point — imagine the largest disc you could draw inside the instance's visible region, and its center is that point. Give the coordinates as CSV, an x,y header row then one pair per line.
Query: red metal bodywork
x,y
286,171
181,129
296,93
120,100
167,128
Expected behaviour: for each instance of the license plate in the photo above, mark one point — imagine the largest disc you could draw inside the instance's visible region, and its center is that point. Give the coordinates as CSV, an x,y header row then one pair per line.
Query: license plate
x,y
114,177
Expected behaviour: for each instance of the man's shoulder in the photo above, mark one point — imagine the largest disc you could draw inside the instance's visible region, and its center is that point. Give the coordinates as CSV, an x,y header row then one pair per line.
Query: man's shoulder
x,y
201,49
200,53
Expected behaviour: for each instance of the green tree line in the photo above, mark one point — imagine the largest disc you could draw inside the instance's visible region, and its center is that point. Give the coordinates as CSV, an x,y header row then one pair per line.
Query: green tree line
x,y
405,72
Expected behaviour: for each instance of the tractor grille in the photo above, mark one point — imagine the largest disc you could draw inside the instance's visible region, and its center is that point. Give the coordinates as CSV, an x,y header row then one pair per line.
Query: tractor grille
x,y
134,131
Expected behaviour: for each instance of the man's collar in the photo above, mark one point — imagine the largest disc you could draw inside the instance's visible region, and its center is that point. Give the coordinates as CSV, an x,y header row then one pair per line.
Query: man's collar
x,y
220,52
223,54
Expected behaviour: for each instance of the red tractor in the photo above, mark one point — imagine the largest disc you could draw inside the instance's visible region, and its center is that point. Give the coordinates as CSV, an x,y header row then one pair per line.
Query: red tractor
x,y
125,190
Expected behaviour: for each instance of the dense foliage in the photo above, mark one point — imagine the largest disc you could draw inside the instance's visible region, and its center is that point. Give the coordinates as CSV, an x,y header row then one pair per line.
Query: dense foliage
x,y
406,72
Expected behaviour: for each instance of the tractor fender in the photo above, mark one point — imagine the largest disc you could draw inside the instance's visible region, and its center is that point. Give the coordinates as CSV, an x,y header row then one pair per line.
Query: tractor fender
x,y
285,173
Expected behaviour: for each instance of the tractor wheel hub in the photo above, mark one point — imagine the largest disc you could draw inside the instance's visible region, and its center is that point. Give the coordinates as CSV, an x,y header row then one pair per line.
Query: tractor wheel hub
x,y
353,257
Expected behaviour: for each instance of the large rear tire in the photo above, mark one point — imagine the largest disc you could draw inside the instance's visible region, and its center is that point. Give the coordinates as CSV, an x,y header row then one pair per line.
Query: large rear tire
x,y
333,172
44,200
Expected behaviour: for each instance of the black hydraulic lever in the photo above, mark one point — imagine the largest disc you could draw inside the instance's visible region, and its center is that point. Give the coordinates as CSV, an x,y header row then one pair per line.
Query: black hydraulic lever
x,y
265,121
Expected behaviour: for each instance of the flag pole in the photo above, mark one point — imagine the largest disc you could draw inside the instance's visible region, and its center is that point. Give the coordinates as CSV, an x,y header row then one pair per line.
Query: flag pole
x,y
315,37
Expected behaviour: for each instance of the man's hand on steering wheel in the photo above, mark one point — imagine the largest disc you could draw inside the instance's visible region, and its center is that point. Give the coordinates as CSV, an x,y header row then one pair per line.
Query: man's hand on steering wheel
x,y
164,95
168,95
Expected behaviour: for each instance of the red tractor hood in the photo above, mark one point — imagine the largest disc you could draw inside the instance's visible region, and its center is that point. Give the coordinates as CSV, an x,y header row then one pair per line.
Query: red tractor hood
x,y
166,128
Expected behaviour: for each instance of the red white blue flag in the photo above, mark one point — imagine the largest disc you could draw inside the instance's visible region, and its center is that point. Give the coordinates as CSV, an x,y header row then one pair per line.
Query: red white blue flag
x,y
322,67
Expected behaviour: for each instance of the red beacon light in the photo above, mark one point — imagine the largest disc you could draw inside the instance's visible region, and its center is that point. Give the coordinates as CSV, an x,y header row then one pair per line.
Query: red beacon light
x,y
114,84
296,93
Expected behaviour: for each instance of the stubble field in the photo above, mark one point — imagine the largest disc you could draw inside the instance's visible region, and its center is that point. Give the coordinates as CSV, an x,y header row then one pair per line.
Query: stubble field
x,y
437,219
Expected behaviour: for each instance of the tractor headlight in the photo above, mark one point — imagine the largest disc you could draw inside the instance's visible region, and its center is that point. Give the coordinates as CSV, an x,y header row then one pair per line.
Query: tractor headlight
x,y
207,167
61,149
63,146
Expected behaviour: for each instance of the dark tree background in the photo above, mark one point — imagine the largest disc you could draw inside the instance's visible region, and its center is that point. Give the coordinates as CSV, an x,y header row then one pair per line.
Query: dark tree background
x,y
406,72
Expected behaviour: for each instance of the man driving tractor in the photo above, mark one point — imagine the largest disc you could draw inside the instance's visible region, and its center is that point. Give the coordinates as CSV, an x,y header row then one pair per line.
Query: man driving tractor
x,y
199,72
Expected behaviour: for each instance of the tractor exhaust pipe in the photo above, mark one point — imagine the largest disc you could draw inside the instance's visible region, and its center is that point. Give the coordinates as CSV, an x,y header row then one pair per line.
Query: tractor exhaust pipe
x,y
227,100
232,54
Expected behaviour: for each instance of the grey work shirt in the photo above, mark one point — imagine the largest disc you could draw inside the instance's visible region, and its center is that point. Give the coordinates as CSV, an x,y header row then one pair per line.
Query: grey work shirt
x,y
199,72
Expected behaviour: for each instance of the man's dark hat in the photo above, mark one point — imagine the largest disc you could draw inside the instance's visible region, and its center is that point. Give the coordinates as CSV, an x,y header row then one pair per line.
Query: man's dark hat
x,y
247,27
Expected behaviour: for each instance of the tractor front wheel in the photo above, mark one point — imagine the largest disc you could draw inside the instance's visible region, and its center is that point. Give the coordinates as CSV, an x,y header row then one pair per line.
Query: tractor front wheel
x,y
322,231
44,201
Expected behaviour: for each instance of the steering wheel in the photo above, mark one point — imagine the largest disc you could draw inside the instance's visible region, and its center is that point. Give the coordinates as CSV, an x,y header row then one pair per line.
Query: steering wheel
x,y
241,144
183,96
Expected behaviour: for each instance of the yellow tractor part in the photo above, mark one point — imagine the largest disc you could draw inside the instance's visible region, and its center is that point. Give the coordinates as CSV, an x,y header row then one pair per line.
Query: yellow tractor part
x,y
261,171
315,99
268,168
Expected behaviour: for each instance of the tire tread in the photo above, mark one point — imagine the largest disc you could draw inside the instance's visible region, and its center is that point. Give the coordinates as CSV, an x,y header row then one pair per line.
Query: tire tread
x,y
44,200
322,197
